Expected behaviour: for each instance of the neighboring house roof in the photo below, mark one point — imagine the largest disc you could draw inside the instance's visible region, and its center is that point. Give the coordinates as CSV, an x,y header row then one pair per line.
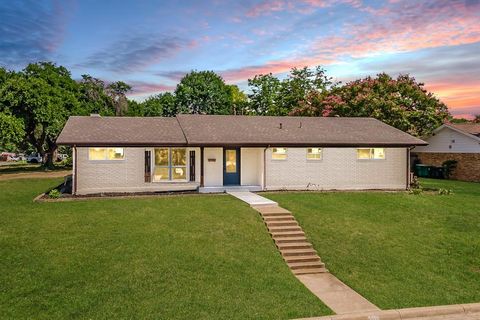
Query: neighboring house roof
x,y
470,128
218,130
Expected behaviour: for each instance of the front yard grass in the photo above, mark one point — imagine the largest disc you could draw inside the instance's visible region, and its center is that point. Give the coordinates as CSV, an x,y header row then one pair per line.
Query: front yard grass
x,y
396,249
182,257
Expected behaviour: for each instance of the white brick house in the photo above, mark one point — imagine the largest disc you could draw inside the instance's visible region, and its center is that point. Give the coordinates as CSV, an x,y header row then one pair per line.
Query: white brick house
x,y
212,153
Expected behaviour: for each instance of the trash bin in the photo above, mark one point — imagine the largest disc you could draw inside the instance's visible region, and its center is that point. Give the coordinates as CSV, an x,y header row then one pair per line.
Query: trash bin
x,y
437,172
422,170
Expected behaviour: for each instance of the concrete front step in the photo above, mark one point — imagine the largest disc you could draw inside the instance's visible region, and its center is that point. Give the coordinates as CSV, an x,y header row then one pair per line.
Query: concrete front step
x,y
272,209
309,271
297,252
299,245
281,223
283,228
279,218
286,234
304,258
273,214
305,265
290,239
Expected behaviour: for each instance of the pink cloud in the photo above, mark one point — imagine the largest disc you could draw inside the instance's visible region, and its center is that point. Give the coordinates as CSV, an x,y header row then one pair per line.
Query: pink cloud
x,y
458,95
267,7
141,88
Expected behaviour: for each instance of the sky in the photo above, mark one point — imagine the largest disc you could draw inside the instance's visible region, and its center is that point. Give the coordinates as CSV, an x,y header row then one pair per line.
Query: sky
x,y
152,44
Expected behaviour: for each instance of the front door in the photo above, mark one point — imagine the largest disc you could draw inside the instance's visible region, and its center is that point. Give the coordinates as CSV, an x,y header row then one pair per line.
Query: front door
x,y
231,166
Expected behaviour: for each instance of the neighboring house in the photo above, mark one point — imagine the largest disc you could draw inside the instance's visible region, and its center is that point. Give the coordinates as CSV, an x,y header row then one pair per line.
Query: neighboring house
x,y
460,142
213,153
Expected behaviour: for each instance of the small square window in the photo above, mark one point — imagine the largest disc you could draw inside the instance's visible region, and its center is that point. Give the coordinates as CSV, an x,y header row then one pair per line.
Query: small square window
x,y
314,153
279,153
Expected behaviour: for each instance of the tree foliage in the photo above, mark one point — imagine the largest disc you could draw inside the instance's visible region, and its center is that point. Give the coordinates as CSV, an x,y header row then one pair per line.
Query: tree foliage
x,y
272,96
402,103
203,92
12,132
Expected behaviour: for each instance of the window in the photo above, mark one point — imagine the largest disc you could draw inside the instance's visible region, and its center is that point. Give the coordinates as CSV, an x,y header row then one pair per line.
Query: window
x,y
370,153
231,161
106,154
170,164
314,153
279,153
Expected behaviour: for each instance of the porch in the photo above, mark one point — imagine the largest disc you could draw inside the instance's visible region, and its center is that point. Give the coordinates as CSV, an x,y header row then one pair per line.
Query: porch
x,y
231,168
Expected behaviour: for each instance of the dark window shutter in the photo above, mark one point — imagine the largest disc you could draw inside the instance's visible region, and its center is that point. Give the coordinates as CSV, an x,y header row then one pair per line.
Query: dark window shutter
x,y
192,165
148,169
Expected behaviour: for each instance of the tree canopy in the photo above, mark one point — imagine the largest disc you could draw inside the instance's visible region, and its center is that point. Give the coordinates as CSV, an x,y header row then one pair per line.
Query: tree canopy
x,y
36,101
402,103
203,92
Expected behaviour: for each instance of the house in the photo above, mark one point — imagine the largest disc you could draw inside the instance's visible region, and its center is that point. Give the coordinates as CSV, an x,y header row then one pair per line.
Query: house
x,y
460,142
210,153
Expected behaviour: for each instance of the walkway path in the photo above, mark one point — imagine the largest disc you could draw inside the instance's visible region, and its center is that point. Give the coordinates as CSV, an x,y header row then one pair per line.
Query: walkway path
x,y
302,259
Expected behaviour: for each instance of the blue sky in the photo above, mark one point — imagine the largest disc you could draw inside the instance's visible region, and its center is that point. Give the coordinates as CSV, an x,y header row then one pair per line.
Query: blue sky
x,y
151,44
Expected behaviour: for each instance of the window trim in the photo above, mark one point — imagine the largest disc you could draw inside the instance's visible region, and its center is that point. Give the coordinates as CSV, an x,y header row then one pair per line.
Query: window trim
x,y
170,167
286,154
105,157
314,159
372,152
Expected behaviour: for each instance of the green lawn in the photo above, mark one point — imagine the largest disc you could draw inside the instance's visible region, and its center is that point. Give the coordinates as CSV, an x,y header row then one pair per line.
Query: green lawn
x,y
397,249
183,257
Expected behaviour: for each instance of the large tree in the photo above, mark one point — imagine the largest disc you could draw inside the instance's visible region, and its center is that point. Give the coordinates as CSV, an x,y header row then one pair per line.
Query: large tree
x,y
402,102
118,93
163,104
265,95
43,95
95,97
203,92
271,96
239,100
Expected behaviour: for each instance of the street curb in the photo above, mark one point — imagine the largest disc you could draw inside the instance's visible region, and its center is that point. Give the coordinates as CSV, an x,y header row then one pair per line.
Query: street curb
x,y
408,313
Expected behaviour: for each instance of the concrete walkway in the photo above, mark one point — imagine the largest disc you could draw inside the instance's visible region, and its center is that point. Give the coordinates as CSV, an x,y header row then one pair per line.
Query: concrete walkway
x,y
251,198
302,258
335,294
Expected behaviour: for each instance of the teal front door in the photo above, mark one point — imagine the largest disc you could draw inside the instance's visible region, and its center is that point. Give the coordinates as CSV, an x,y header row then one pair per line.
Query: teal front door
x,y
231,166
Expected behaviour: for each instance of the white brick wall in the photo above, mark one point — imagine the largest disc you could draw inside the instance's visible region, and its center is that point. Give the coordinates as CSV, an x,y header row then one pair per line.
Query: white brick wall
x,y
124,175
339,169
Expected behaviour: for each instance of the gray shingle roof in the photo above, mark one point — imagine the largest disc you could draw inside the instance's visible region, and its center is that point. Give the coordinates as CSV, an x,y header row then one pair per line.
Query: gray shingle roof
x,y
218,130
114,131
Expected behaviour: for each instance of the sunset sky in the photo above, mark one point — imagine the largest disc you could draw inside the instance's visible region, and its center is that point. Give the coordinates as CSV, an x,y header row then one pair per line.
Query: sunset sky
x,y
152,44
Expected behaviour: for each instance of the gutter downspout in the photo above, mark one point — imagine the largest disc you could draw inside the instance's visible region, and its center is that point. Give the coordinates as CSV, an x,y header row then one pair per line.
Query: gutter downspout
x,y
265,168
408,167
74,178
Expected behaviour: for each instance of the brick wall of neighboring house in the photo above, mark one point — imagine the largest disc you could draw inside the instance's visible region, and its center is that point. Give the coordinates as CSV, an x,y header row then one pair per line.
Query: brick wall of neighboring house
x,y
468,166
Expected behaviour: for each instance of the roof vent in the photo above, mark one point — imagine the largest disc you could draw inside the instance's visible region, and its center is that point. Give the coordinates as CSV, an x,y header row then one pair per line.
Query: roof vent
x,y
300,125
96,115
280,127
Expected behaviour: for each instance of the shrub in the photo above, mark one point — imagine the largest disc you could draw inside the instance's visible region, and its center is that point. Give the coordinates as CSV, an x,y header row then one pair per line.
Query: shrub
x,y
54,194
